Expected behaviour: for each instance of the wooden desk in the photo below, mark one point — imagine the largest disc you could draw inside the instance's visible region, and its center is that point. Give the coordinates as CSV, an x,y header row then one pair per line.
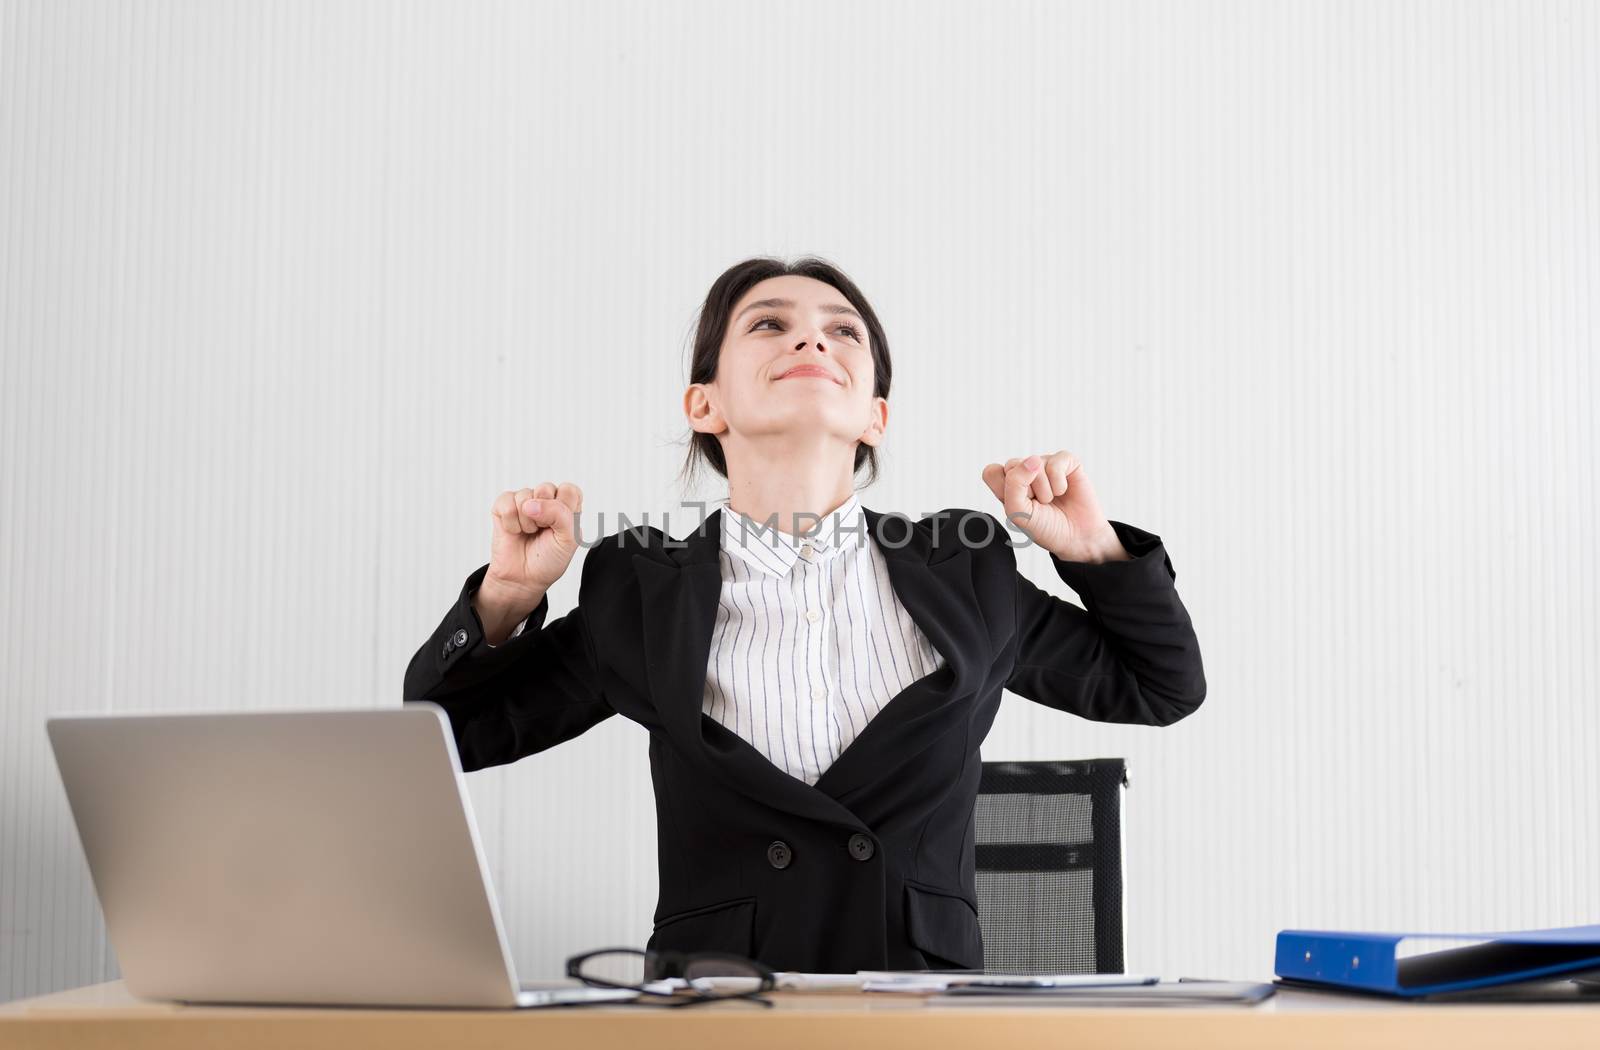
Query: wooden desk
x,y
105,1015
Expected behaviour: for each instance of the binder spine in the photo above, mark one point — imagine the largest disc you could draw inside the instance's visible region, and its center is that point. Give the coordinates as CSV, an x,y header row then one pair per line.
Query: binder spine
x,y
1351,960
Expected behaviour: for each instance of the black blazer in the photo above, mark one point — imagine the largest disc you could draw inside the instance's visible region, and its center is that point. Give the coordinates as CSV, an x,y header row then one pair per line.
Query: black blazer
x,y
871,868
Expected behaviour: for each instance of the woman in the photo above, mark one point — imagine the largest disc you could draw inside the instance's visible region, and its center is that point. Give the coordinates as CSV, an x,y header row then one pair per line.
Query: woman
x,y
816,677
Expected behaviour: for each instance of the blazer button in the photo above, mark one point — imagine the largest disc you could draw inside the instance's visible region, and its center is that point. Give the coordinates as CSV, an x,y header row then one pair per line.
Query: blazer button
x,y
861,847
461,636
779,854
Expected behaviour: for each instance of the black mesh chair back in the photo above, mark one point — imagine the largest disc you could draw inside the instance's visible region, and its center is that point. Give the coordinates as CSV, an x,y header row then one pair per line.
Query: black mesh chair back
x,y
1049,865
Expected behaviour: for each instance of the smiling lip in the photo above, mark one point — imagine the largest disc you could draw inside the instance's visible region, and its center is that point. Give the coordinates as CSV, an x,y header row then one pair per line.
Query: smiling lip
x,y
808,370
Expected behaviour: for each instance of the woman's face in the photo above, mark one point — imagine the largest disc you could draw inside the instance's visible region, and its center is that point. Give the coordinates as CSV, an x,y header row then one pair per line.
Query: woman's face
x,y
794,359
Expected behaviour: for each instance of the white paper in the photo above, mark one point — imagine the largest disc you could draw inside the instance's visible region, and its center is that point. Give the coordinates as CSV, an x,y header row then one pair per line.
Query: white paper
x,y
897,981
904,981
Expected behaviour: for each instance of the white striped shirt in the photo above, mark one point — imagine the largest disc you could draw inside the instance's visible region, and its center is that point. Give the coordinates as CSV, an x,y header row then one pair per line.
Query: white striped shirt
x,y
810,641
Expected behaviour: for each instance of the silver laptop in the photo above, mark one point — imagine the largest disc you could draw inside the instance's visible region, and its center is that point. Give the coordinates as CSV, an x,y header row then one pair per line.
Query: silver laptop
x,y
316,857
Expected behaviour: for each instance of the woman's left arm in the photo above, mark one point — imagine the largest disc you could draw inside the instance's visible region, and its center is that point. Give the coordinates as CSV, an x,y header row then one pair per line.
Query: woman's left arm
x,y
1131,655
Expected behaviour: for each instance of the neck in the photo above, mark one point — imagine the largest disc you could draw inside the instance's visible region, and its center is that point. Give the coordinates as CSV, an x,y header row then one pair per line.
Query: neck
x,y
783,484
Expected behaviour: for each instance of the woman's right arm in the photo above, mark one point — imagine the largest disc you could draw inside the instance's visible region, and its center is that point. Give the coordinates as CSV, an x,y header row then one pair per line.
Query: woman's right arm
x,y
538,688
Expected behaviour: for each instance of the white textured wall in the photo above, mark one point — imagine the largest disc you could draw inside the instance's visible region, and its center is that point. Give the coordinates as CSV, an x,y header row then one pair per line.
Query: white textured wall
x,y
290,291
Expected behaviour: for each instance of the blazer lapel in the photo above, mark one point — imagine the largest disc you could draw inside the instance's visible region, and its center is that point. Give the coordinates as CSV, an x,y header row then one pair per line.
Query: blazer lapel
x,y
680,595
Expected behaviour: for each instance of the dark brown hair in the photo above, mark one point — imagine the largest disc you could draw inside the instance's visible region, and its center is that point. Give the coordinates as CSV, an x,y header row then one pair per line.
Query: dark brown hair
x,y
712,325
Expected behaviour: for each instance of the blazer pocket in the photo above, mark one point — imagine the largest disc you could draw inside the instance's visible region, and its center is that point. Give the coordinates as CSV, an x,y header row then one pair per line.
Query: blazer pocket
x,y
728,926
944,924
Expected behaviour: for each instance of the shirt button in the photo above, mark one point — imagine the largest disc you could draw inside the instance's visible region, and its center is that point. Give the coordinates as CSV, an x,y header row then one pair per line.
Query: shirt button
x,y
861,847
805,549
818,693
813,615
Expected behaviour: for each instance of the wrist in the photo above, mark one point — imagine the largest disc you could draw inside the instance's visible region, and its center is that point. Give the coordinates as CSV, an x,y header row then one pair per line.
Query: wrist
x,y
1104,547
501,608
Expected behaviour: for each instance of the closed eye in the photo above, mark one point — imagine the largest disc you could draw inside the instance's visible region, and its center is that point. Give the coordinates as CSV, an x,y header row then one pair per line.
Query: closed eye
x,y
843,326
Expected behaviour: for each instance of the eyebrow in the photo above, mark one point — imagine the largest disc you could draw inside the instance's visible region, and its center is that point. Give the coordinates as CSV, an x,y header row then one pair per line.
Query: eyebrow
x,y
827,308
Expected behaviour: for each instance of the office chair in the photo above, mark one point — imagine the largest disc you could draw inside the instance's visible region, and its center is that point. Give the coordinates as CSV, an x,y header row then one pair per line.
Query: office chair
x,y
1049,865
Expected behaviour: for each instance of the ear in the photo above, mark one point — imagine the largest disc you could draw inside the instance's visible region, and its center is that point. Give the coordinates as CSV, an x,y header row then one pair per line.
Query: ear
x,y
701,413
879,423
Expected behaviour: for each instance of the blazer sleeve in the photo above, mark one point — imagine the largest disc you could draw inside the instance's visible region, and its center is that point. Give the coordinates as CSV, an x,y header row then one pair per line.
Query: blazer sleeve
x,y
1130,655
531,692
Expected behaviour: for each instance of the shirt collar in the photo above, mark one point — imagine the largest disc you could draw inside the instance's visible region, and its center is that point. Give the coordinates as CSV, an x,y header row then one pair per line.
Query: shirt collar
x,y
774,551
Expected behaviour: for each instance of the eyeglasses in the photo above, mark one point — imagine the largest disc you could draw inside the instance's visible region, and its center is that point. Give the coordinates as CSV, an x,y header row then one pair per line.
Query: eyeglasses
x,y
634,968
